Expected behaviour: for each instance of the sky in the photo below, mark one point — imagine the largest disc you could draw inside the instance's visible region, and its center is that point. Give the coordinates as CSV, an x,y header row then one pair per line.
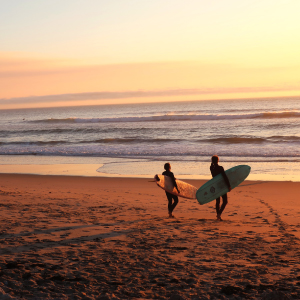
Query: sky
x,y
88,52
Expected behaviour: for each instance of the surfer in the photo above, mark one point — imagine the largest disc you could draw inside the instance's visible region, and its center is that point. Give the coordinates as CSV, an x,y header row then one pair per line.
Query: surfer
x,y
215,169
170,197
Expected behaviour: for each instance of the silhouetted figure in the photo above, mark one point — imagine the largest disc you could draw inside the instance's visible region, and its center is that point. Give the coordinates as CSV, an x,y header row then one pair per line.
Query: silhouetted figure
x,y
215,169
170,197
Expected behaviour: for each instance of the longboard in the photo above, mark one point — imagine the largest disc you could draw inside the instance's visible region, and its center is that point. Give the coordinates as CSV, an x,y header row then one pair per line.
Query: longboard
x,y
186,190
217,186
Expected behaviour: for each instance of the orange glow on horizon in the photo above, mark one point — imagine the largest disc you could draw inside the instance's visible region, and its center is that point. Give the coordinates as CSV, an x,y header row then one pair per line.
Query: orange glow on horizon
x,y
33,78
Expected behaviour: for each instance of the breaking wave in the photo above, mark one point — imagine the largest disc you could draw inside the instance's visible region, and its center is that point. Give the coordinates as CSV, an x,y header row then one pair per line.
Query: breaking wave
x,y
176,117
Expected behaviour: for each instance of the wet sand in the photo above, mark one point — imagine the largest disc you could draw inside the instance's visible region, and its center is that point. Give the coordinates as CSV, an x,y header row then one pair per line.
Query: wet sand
x,y
68,237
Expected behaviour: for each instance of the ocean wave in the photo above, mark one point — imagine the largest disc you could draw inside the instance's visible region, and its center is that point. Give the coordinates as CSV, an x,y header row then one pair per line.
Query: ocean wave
x,y
176,117
150,153
282,139
253,140
75,130
36,143
121,141
235,140
131,140
184,142
158,147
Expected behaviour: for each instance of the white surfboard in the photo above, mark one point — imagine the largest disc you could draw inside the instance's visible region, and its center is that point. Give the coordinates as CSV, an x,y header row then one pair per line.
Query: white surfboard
x,y
186,190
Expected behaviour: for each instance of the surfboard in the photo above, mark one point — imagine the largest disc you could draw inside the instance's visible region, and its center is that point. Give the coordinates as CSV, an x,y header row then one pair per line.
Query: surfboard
x,y
186,190
217,186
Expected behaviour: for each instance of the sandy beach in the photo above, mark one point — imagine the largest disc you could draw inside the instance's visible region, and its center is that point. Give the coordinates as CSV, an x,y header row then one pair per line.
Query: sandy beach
x,y
71,237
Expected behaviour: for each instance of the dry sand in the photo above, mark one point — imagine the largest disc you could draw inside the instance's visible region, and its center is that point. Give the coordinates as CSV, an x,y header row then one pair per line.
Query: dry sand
x,y
65,237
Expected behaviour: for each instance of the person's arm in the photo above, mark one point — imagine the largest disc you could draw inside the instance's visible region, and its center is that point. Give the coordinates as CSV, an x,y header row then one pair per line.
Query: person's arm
x,y
226,179
211,170
174,182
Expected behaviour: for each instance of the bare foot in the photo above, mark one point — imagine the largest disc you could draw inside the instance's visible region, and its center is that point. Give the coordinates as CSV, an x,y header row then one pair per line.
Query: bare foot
x,y
219,218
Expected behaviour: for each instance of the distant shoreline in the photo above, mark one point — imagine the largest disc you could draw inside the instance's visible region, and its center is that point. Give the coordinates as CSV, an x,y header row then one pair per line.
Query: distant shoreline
x,y
138,168
89,170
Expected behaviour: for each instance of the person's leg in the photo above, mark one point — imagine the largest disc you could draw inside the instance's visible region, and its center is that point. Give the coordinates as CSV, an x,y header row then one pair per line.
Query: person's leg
x,y
169,196
224,203
175,202
218,206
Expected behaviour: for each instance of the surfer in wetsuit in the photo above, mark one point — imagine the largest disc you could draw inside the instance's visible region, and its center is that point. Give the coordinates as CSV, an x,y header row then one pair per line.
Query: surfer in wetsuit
x,y
170,197
215,169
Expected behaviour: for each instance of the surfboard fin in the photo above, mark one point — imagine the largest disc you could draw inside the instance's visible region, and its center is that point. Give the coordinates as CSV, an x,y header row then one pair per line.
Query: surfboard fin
x,y
156,178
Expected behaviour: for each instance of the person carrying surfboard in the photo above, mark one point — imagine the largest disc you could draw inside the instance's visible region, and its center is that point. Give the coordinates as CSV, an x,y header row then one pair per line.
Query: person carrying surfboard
x,y
170,197
215,169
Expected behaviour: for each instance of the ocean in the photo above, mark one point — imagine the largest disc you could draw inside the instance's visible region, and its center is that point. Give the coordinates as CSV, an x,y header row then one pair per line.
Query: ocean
x,y
137,139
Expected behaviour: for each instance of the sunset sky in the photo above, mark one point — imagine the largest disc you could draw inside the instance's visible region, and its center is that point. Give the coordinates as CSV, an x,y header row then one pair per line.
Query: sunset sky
x,y
79,52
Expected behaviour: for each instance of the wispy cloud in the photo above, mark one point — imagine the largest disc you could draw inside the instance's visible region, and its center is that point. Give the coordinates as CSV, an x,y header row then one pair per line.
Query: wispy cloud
x,y
138,94
51,82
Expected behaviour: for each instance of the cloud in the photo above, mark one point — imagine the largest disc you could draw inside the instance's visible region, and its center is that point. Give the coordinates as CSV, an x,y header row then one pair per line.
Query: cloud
x,y
138,94
50,81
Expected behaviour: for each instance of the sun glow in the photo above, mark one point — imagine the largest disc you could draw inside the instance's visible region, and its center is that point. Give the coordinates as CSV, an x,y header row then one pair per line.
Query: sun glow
x,y
222,50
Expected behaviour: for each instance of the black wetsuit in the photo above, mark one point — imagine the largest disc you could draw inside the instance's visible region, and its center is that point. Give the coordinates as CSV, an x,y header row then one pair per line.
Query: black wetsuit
x,y
170,197
216,170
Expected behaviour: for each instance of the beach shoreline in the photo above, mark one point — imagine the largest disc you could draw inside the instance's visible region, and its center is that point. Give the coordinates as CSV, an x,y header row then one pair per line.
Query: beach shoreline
x,y
76,237
139,168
